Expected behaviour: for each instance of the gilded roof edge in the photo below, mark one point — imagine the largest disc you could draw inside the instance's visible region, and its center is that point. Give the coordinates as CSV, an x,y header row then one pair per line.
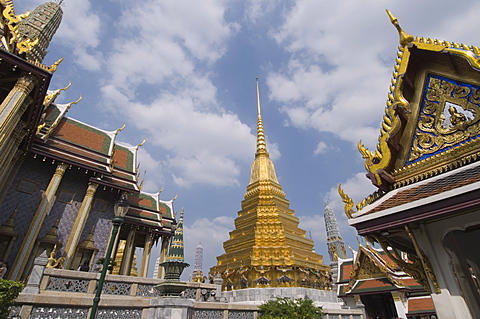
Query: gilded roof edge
x,y
377,162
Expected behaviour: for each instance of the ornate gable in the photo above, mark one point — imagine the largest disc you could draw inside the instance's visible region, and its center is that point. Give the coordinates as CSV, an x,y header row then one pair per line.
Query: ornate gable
x,y
431,121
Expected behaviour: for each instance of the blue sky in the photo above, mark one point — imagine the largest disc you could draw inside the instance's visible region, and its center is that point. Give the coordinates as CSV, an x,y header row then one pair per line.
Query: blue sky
x,y
181,73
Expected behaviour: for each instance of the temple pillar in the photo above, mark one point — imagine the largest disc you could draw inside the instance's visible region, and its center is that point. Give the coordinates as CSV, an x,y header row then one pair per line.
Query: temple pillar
x,y
146,255
400,304
128,253
48,199
163,256
80,221
13,106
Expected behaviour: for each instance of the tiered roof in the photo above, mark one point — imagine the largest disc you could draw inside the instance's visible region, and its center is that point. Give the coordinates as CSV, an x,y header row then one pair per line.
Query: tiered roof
x,y
88,147
109,162
148,209
371,271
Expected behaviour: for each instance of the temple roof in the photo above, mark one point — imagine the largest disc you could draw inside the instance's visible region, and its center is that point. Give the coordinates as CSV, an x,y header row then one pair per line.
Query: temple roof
x,y
148,209
420,306
79,144
431,125
461,181
370,271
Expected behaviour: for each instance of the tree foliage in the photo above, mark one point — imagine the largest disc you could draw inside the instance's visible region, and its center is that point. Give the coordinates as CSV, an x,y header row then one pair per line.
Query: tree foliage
x,y
287,308
9,291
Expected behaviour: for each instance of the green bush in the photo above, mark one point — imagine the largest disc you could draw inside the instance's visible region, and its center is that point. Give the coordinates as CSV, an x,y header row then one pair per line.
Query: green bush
x,y
286,308
9,291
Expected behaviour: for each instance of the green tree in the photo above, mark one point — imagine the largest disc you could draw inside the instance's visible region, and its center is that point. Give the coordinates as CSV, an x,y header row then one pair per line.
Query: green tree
x,y
9,291
287,308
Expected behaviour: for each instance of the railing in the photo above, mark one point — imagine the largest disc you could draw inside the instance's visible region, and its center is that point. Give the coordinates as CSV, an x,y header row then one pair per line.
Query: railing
x,y
57,294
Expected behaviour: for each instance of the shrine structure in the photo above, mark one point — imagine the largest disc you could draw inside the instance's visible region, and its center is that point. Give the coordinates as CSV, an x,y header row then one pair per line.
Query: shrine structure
x,y
427,171
267,249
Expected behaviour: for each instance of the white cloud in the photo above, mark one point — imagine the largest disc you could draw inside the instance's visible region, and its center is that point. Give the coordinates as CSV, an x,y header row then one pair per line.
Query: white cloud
x,y
202,146
212,234
256,9
322,147
341,60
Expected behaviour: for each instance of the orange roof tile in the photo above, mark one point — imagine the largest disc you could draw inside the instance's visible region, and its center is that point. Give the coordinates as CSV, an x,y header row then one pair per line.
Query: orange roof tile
x,y
420,305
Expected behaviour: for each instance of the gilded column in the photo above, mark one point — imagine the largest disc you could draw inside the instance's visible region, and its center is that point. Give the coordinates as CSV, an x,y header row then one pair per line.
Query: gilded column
x,y
77,229
13,106
146,255
163,255
37,222
128,253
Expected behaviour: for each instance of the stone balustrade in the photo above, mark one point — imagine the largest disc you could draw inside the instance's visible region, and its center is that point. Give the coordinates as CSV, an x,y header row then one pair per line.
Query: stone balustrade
x,y
57,293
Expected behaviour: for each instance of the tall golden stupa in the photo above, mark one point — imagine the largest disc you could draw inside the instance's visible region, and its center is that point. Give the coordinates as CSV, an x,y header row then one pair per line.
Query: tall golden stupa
x,y
267,249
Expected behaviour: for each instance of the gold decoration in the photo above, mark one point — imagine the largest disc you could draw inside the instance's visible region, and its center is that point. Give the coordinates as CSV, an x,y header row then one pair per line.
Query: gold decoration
x,y
348,202
405,38
120,129
141,144
450,115
424,259
414,268
13,22
27,45
370,264
49,97
471,54
54,66
39,127
377,162
59,118
55,263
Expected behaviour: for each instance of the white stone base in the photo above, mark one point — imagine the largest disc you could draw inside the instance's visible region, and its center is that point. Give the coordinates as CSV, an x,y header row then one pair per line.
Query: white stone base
x,y
257,296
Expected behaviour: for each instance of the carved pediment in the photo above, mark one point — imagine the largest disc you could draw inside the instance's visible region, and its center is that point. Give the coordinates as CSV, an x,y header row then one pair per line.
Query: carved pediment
x,y
449,116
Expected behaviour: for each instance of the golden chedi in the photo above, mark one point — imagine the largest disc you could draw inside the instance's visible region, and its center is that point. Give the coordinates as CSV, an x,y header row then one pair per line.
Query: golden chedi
x,y
267,249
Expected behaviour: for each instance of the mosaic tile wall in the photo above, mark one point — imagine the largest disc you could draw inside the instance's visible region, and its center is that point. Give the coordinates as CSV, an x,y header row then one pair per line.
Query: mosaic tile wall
x,y
37,173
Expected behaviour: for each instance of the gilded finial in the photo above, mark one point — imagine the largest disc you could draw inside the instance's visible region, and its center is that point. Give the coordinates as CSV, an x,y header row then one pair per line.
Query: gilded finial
x,y
405,38
75,102
141,183
143,142
160,191
54,66
358,241
176,196
120,129
347,200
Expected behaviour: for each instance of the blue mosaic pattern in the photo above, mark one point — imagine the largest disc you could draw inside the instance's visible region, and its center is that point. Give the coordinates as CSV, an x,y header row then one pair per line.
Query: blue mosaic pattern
x,y
424,102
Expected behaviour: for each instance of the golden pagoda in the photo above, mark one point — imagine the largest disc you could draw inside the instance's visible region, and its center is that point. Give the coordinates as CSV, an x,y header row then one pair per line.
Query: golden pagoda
x,y
267,249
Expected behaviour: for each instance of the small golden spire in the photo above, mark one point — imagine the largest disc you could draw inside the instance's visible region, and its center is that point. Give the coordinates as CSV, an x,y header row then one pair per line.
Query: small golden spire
x,y
405,38
176,196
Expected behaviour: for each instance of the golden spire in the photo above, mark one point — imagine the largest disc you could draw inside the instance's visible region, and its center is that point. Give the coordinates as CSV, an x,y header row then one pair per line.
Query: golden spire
x,y
261,145
262,167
